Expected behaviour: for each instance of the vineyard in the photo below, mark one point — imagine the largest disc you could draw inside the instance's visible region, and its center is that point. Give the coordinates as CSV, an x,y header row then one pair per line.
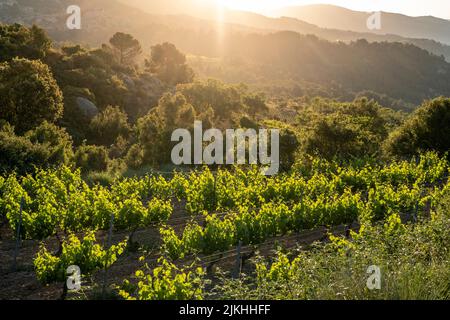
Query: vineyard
x,y
205,222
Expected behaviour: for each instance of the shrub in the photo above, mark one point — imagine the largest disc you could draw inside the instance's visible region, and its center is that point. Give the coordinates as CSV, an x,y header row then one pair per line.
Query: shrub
x,y
45,146
166,282
427,129
151,131
108,125
135,156
55,139
92,158
86,254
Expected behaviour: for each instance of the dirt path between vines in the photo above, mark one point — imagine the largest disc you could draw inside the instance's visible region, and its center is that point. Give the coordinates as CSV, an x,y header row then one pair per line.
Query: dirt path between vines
x,y
21,283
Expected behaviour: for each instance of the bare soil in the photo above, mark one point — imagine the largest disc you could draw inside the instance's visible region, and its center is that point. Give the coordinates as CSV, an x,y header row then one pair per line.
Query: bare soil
x,y
20,283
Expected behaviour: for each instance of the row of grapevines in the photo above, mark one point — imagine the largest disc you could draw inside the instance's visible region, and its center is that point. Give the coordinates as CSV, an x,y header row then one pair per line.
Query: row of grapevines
x,y
2,212
277,218
61,200
253,227
228,190
86,253
165,282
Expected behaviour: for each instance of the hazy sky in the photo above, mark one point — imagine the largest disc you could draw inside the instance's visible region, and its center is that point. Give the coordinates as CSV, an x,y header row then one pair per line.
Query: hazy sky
x,y
438,8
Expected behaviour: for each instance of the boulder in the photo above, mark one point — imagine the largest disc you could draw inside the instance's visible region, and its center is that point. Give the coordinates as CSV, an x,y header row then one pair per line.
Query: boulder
x,y
89,109
129,82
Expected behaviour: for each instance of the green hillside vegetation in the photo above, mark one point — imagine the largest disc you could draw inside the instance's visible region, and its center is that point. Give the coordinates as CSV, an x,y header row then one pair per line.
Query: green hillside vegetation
x,y
85,145
128,107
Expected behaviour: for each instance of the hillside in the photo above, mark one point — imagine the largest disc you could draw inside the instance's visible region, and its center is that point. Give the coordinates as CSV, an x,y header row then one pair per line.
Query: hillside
x,y
402,71
263,51
329,16
101,18
191,154
332,34
291,23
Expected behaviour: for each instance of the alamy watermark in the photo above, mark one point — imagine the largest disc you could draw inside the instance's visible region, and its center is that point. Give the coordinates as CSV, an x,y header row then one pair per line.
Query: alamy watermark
x,y
229,148
374,21
374,280
73,22
74,278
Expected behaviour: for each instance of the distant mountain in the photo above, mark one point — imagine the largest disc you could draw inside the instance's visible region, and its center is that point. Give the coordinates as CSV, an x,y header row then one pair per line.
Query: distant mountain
x,y
293,24
195,8
102,18
329,16
267,24
265,49
402,71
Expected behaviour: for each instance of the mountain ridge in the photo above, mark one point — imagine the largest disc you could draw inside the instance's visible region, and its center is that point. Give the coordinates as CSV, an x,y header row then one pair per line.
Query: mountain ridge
x,y
101,18
287,23
335,17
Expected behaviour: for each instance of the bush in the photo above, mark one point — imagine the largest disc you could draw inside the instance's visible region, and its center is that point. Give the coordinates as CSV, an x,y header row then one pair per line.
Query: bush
x,y
346,130
74,119
152,136
255,104
103,178
55,139
85,253
45,146
427,129
92,158
166,282
135,157
222,98
107,126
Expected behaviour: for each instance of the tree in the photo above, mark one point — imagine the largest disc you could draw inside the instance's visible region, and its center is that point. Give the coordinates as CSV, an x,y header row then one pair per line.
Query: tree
x,y
256,104
153,137
331,137
186,116
135,156
169,65
177,112
19,154
428,128
19,41
108,125
29,94
224,99
345,130
45,146
128,48
289,145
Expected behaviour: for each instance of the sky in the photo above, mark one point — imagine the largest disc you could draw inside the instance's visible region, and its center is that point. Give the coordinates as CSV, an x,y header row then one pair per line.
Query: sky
x,y
437,8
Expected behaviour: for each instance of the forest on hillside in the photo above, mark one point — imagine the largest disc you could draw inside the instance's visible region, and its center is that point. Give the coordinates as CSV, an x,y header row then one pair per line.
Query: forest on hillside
x,y
86,177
